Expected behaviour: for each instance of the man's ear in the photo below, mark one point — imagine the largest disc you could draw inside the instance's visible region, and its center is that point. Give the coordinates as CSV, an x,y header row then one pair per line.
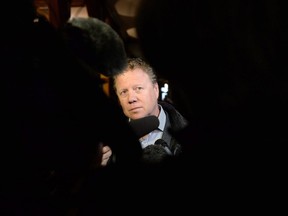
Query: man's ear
x,y
156,87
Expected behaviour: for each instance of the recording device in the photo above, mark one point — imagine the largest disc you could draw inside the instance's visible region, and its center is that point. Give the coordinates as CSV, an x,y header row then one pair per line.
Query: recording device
x,y
165,146
144,125
96,44
157,153
154,154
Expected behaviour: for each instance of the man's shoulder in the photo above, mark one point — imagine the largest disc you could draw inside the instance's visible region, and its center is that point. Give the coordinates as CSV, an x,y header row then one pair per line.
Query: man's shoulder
x,y
177,120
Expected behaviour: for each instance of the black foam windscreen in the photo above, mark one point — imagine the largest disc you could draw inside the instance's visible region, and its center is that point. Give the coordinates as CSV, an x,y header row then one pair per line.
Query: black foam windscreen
x,y
160,142
96,43
165,146
144,125
153,154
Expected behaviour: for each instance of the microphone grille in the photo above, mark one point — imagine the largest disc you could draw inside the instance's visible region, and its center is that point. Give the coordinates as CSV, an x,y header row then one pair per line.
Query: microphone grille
x,y
96,43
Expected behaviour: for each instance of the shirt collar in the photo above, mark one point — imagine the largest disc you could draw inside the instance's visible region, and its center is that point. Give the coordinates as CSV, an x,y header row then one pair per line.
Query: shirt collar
x,y
162,118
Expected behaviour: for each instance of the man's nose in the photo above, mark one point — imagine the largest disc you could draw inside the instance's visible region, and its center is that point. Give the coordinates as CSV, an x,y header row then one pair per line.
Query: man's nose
x,y
132,96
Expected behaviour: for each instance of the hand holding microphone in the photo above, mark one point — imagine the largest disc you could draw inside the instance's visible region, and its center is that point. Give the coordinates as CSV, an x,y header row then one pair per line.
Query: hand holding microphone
x,y
106,154
141,127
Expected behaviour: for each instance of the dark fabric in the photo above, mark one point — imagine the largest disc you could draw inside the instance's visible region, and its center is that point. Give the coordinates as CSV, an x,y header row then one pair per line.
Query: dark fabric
x,y
174,122
54,114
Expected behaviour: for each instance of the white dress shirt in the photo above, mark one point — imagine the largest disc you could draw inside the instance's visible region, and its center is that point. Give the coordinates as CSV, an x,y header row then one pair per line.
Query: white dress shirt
x,y
150,138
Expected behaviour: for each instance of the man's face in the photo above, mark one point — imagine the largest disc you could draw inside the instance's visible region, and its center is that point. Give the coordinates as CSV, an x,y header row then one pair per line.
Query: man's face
x,y
137,95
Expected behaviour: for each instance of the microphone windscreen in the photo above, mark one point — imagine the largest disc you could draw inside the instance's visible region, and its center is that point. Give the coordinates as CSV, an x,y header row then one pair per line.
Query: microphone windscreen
x,y
160,142
144,125
153,154
96,44
164,145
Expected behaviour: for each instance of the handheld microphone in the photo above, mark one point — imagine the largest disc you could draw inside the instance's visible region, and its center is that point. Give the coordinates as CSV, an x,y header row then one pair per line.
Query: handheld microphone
x,y
162,143
144,125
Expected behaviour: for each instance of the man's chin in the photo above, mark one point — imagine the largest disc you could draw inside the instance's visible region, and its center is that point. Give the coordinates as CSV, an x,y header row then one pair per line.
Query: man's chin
x,y
137,116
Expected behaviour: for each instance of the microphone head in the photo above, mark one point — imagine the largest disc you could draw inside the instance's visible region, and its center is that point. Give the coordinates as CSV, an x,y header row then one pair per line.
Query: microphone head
x,y
154,154
144,125
96,44
161,142
164,145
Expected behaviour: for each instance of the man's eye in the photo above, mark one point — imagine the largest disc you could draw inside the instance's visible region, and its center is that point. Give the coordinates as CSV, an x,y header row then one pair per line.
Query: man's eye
x,y
139,89
123,93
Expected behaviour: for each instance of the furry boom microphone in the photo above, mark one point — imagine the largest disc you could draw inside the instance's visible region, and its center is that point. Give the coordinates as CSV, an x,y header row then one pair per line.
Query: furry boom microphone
x,y
96,44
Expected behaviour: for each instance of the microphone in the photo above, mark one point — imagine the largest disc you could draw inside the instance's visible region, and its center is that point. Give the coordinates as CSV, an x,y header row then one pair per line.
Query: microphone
x,y
144,125
96,44
154,154
162,143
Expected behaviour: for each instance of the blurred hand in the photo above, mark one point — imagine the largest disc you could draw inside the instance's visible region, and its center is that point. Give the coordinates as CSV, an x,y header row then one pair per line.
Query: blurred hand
x,y
106,154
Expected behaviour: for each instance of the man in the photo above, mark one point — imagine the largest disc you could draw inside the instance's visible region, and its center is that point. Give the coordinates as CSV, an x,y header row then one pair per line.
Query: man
x,y
138,92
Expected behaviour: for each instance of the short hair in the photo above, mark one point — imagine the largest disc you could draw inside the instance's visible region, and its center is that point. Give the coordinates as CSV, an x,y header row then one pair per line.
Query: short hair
x,y
137,62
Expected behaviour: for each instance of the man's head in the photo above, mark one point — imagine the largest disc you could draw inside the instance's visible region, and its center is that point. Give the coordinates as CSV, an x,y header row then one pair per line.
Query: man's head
x,y
137,89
